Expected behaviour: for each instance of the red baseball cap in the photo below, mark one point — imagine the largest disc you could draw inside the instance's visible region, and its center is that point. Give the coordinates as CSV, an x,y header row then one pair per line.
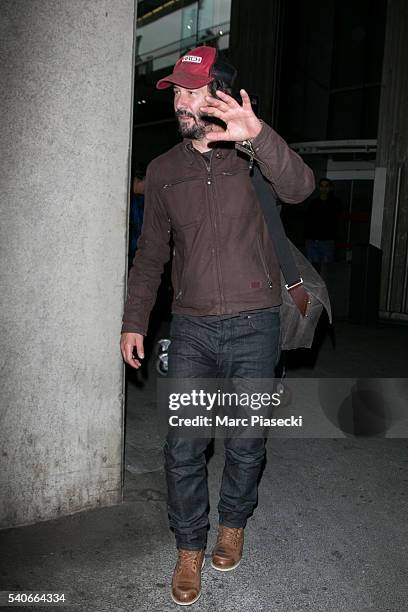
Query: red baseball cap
x,y
192,70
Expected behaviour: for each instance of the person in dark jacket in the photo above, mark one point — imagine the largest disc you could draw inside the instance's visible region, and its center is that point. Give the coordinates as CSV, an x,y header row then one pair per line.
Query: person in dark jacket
x,y
321,224
136,210
226,283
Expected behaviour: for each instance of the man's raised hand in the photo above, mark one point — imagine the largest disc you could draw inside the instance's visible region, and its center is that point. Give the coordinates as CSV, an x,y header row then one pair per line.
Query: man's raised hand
x,y
241,121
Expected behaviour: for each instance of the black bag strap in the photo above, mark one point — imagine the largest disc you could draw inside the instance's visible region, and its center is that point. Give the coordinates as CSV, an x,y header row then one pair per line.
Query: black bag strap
x,y
268,202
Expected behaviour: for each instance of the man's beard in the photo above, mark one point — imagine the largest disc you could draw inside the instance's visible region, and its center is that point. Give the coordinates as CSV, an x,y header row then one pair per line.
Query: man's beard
x,y
195,131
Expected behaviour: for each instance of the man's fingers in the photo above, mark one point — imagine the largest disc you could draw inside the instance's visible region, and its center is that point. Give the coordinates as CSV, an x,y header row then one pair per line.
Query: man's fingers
x,y
246,102
139,347
226,98
127,354
134,363
131,360
213,112
213,102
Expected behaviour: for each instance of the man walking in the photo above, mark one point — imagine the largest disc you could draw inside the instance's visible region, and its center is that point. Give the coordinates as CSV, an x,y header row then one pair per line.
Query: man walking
x,y
226,283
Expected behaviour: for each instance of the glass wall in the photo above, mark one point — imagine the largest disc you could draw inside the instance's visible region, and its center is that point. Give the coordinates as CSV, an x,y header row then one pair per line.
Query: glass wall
x,y
162,38
331,69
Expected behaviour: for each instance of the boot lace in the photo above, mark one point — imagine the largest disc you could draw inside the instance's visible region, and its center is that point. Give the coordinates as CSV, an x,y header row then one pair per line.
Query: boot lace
x,y
188,559
230,535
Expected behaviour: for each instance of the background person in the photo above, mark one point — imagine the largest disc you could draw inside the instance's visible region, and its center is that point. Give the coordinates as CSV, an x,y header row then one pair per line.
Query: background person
x,y
136,210
321,225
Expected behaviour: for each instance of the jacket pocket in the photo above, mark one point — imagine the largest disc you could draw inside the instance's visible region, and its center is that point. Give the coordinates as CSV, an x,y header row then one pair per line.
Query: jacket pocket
x,y
184,201
236,194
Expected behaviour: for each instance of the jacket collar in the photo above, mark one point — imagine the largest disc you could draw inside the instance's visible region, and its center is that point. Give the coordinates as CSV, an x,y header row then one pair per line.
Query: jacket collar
x,y
220,151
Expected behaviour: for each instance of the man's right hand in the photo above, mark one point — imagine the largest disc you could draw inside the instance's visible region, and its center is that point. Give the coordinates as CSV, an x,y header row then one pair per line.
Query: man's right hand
x,y
128,342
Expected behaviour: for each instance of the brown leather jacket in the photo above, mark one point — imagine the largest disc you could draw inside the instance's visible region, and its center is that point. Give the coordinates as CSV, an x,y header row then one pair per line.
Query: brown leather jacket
x,y
223,259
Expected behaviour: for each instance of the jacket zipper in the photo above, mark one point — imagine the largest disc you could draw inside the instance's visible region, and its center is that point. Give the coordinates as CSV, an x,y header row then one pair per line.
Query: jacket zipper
x,y
184,180
247,147
179,282
234,173
180,292
214,224
265,267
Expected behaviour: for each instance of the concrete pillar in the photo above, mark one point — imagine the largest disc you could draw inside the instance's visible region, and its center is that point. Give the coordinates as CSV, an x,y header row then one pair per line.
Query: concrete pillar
x,y
66,105
392,158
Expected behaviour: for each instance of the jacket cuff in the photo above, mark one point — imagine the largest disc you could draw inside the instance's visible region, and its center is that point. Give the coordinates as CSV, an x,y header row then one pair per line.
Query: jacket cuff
x,y
251,147
265,136
132,329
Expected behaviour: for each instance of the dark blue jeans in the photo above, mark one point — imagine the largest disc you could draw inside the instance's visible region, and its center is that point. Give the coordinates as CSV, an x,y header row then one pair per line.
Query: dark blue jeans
x,y
246,346
320,251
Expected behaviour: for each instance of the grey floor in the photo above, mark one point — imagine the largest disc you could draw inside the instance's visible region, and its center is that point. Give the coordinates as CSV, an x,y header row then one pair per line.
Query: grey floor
x,y
329,533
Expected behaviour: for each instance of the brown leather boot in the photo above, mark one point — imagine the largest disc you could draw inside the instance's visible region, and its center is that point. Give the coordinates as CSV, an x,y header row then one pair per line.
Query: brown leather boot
x,y
186,583
227,552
